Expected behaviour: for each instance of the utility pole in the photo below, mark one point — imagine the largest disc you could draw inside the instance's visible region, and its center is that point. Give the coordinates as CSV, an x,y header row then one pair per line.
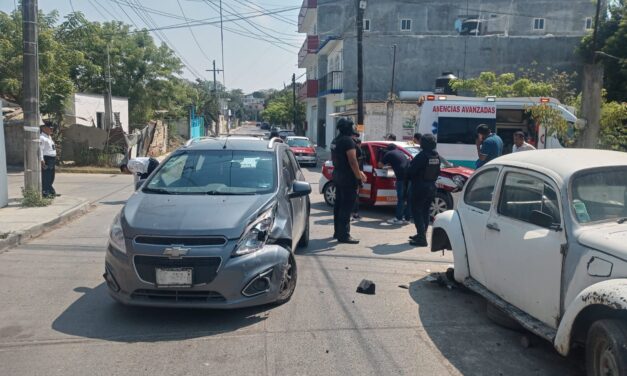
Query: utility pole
x,y
30,105
215,95
389,119
296,127
108,115
591,92
361,6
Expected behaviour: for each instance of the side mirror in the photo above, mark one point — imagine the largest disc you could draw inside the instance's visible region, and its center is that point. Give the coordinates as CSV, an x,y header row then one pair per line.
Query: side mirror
x,y
541,219
139,183
300,189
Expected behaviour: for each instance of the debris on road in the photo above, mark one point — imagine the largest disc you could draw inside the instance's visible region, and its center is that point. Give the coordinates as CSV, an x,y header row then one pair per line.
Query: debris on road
x,y
366,287
441,279
404,287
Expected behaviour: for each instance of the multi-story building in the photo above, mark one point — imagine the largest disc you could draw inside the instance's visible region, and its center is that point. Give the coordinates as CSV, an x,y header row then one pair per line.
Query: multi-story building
x,y
431,36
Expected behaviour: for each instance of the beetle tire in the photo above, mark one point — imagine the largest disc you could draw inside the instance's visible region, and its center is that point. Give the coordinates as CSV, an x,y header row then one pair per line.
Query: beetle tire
x,y
606,348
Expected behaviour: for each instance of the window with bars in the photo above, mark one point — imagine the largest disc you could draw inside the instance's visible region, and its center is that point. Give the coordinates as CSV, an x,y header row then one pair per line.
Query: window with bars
x,y
538,23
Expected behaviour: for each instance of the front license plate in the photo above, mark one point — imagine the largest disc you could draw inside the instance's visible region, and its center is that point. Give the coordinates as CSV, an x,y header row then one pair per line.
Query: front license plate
x,y
174,277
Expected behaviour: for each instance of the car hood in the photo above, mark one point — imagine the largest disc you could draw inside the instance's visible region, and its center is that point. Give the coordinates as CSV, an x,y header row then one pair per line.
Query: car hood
x,y
458,170
611,238
303,150
189,215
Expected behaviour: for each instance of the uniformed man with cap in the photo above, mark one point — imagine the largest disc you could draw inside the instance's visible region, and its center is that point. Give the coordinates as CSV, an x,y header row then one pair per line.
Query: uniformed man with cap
x,y
47,157
423,172
346,177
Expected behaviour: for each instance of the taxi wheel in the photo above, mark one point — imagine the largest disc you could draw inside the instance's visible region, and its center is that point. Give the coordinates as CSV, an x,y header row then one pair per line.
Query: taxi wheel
x,y
442,202
329,193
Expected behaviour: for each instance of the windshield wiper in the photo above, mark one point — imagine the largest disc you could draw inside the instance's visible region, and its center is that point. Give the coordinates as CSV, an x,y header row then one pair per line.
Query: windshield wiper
x,y
621,220
218,193
157,190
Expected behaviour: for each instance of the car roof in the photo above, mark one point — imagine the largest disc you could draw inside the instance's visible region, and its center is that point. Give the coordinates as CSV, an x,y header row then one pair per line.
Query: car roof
x,y
403,144
233,143
563,162
297,138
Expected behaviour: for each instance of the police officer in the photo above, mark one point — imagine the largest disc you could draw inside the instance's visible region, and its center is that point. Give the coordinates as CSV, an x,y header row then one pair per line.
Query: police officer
x,y
423,171
48,157
346,177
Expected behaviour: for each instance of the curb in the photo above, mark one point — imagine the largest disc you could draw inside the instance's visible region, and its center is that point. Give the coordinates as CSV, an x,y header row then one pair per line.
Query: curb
x,y
18,238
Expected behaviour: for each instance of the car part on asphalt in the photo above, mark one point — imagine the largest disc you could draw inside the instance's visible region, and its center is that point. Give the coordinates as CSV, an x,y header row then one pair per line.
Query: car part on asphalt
x,y
366,287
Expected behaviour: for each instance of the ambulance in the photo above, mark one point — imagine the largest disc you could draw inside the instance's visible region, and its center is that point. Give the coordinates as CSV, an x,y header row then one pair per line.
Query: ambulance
x,y
454,120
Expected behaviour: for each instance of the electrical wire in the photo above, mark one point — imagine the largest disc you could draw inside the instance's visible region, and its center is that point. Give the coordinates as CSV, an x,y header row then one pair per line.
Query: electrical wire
x,y
192,31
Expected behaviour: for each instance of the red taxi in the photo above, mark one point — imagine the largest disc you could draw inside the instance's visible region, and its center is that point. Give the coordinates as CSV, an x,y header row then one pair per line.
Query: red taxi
x,y
304,150
379,189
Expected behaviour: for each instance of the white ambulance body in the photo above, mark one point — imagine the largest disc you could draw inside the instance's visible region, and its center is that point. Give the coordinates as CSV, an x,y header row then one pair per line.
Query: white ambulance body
x,y
454,120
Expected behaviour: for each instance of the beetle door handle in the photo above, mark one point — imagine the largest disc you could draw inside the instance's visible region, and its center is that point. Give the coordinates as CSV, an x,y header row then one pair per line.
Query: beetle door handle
x,y
493,226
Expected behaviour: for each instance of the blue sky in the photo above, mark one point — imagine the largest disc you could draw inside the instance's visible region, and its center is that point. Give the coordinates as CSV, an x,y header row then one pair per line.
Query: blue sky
x,y
250,63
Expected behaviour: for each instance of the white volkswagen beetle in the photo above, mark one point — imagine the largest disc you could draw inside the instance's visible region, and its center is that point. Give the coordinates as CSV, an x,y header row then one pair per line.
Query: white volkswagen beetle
x,y
542,235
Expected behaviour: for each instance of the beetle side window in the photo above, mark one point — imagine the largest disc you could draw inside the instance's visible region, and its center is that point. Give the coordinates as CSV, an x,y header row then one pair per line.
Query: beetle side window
x,y
481,189
521,194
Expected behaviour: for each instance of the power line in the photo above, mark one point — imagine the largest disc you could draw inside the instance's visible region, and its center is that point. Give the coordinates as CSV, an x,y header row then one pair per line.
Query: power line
x,y
192,31
260,8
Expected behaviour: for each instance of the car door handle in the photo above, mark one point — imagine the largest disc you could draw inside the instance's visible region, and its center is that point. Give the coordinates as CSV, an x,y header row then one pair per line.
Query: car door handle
x,y
493,226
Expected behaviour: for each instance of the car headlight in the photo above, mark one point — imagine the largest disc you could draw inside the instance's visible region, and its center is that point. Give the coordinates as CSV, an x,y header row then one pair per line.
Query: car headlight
x,y
256,234
459,181
116,234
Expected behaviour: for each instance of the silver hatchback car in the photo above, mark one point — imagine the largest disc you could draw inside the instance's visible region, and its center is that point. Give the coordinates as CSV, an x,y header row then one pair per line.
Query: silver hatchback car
x,y
215,226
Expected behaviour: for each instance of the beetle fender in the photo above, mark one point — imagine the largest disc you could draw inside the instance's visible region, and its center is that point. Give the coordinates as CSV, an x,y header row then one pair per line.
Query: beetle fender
x,y
448,234
610,293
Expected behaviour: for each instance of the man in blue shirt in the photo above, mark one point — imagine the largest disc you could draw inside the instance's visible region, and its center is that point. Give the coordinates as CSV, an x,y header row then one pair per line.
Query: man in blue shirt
x,y
489,145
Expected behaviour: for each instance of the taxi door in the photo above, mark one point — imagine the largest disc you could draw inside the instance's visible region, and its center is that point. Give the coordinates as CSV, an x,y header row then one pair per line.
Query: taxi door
x,y
383,180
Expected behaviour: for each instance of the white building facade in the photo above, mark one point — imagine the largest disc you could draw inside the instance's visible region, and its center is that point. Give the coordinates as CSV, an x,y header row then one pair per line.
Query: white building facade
x,y
89,109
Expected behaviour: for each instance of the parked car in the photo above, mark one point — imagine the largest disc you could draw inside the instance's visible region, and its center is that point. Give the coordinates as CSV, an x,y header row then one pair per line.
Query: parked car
x,y
542,236
215,226
284,134
304,150
379,188
264,126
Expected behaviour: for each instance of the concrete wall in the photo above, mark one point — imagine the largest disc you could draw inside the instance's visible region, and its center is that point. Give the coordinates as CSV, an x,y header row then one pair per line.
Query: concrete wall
x,y
80,137
403,121
421,59
86,106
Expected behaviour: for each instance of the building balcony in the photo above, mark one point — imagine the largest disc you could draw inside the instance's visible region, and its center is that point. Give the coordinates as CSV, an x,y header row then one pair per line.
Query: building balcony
x,y
307,15
332,83
308,90
307,53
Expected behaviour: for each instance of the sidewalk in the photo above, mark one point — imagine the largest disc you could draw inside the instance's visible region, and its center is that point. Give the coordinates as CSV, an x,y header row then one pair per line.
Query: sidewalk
x,y
78,193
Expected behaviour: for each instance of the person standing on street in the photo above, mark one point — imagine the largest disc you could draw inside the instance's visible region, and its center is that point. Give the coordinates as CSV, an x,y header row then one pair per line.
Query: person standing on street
x,y
489,145
423,171
48,158
346,177
399,162
520,144
417,137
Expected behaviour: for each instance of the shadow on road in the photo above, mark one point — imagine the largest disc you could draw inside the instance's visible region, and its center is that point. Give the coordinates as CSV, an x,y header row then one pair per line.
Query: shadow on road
x,y
96,315
456,323
113,203
318,246
390,249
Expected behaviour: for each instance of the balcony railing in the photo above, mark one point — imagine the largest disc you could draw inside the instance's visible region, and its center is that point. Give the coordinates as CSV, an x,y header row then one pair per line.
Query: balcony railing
x,y
310,47
306,14
332,83
308,90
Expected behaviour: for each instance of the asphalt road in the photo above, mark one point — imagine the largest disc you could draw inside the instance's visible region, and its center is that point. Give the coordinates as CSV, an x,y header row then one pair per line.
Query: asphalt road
x,y
57,319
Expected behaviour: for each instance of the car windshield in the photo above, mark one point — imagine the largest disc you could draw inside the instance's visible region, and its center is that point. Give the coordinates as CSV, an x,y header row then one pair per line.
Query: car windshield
x,y
216,172
299,143
414,150
599,195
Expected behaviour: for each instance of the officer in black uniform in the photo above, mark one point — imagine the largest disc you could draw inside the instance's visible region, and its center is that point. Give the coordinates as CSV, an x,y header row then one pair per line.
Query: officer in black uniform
x,y
423,171
346,177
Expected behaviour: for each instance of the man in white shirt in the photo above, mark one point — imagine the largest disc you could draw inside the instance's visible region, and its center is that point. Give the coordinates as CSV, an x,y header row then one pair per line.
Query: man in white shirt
x,y
140,167
520,144
47,156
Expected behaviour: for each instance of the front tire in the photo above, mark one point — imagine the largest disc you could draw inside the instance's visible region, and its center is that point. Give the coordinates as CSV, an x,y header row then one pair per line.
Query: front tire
x,y
606,348
442,202
288,282
329,192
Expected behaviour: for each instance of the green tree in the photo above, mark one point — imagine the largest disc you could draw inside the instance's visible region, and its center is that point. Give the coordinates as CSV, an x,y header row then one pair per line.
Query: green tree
x,y
55,63
280,108
504,85
612,41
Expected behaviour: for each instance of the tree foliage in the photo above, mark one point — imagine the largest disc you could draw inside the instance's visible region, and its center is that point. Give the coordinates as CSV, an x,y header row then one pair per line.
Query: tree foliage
x,y
280,108
611,40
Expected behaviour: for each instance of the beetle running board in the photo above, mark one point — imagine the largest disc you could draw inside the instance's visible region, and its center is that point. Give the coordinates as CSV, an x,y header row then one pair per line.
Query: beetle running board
x,y
528,322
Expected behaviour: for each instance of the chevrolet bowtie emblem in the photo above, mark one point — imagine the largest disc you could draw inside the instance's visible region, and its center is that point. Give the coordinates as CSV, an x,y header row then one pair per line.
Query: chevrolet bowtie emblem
x,y
175,252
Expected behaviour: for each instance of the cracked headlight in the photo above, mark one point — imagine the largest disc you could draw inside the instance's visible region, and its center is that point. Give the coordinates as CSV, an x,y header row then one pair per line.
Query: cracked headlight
x,y
459,181
116,234
256,234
